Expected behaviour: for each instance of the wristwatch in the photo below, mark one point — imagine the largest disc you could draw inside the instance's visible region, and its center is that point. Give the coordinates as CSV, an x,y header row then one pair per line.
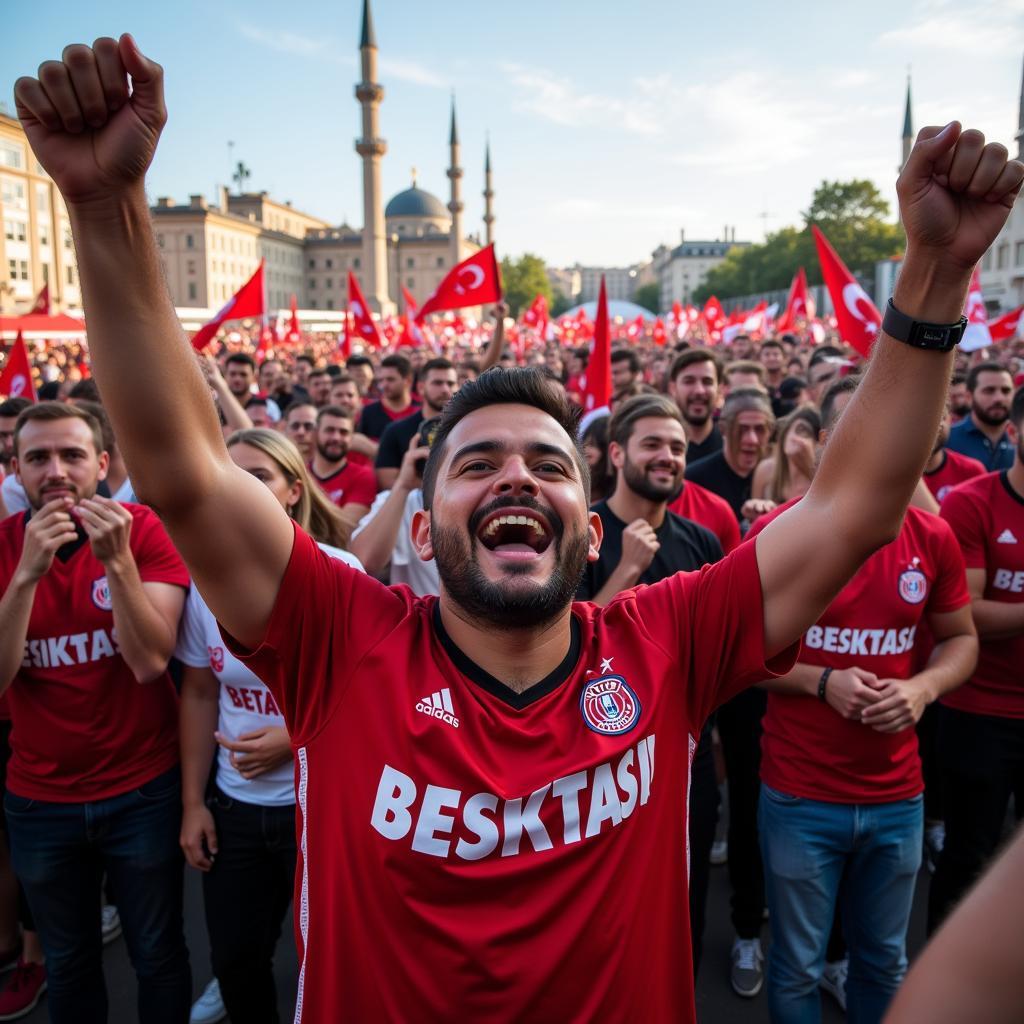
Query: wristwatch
x,y
937,337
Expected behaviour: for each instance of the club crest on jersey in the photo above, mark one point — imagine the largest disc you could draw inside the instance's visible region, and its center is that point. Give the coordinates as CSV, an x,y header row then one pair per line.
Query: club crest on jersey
x,y
101,594
216,658
913,585
609,705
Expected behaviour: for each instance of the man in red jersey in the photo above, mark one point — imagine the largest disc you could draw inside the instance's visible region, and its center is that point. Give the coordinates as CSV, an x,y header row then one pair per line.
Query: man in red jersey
x,y
351,487
490,823
841,817
947,468
92,594
980,733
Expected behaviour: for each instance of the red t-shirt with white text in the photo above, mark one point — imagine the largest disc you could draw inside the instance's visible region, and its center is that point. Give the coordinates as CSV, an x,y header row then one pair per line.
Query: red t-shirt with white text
x,y
807,748
955,469
83,727
467,852
352,484
710,511
987,516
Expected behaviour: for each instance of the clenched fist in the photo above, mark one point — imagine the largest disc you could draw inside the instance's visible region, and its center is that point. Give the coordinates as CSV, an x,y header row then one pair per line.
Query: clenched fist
x,y
47,530
639,545
94,135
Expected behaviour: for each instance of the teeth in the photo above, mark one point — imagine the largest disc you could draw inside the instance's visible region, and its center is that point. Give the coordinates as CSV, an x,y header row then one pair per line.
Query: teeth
x,y
492,526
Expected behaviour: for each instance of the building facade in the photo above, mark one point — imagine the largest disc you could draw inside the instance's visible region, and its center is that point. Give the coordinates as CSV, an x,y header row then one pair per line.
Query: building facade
x,y
684,268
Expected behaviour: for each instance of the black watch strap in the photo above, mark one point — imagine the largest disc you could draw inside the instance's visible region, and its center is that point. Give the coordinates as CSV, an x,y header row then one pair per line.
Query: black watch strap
x,y
937,337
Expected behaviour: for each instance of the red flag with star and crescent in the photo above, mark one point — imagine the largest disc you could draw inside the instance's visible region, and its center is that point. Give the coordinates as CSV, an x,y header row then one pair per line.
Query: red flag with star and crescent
x,y
1009,325
248,301
796,303
363,324
42,303
856,315
16,379
474,282
596,387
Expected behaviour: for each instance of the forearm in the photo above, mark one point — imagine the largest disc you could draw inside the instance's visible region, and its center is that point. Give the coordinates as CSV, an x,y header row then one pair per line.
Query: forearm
x,y
374,544
493,351
996,620
145,640
951,663
364,445
802,681
198,716
142,361
883,439
624,577
15,611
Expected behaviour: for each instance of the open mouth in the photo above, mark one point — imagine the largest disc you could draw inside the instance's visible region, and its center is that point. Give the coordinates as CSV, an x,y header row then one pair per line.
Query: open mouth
x,y
515,533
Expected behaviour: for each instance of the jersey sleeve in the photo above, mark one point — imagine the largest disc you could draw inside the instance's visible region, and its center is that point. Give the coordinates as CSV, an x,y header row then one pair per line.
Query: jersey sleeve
x,y
156,557
326,619
191,647
950,590
712,623
375,506
964,515
728,529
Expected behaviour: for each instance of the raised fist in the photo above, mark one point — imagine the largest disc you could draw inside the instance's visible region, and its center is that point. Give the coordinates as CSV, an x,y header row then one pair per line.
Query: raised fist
x,y
956,193
94,137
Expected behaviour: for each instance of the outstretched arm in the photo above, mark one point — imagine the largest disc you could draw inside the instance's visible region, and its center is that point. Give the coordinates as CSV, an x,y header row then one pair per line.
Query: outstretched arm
x,y
96,140
955,195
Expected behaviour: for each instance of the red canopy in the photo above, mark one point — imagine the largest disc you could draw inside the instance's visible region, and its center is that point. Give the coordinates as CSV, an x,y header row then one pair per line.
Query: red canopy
x,y
39,325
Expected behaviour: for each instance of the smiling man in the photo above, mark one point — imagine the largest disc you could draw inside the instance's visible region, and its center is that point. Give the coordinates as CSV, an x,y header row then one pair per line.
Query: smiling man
x,y
492,783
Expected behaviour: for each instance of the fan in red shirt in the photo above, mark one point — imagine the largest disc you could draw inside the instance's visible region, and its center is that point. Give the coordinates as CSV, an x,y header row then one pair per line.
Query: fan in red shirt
x,y
980,733
712,512
947,468
92,594
841,813
492,783
351,487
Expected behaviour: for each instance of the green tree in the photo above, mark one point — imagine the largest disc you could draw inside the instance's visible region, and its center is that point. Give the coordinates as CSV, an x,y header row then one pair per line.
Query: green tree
x,y
560,302
523,280
852,214
649,296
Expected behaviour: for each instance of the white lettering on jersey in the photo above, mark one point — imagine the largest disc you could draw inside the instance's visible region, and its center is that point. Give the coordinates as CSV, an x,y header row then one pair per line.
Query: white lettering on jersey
x,y
70,649
1007,579
863,642
491,822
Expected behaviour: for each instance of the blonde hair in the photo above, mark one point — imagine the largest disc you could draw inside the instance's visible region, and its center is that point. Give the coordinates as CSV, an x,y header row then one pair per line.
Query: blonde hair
x,y
314,511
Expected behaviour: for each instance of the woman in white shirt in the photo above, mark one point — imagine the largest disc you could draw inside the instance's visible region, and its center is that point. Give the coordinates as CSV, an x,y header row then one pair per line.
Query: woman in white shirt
x,y
238,789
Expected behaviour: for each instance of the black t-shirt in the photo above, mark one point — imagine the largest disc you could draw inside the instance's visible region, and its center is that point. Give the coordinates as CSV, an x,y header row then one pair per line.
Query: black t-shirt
x,y
685,546
715,474
697,450
394,442
375,419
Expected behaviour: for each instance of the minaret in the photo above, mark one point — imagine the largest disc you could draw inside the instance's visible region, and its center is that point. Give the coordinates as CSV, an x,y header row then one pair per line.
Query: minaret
x,y
908,130
1020,122
488,198
455,206
371,147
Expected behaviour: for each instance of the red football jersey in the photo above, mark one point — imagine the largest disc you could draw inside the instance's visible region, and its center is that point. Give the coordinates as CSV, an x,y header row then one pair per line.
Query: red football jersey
x,y
807,748
84,727
955,469
352,484
711,511
987,516
469,852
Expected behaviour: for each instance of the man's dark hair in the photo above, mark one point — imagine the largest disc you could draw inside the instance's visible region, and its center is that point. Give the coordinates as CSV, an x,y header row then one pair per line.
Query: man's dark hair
x,y
746,400
627,355
359,360
49,412
843,386
750,366
989,367
343,378
49,392
87,389
317,374
13,406
690,357
399,363
257,401
582,353
620,427
958,378
772,343
824,352
500,385
1017,408
243,358
334,371
332,410
304,357
440,363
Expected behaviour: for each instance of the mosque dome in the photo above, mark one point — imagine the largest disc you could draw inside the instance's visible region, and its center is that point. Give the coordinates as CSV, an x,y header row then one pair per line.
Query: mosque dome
x,y
414,202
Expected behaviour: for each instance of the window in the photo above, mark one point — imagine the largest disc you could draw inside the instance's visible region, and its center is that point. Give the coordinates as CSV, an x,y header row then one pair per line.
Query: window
x,y
355,263
440,261
312,264
23,269
42,198
71,275
1003,256
1018,255
46,273
160,241
44,234
189,242
14,230
191,266
410,282
11,155
329,263
312,303
410,263
986,261
192,291
329,283
330,303
12,192
312,283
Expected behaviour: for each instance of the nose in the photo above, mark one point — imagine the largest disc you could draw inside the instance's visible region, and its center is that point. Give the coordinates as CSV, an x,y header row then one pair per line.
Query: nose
x,y
515,478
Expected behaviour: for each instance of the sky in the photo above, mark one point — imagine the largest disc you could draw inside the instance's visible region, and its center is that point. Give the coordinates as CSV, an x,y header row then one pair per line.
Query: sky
x,y
613,126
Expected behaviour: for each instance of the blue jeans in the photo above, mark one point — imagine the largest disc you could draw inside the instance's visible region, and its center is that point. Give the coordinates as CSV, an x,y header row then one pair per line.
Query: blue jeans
x,y
60,853
807,845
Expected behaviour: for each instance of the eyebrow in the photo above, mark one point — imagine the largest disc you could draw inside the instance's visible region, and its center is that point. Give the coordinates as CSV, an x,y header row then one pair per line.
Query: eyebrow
x,y
499,447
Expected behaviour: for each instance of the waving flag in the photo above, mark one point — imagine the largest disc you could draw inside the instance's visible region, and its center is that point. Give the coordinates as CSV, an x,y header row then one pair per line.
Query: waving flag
x,y
977,334
16,379
42,303
473,282
362,322
596,385
1007,326
796,303
856,316
247,301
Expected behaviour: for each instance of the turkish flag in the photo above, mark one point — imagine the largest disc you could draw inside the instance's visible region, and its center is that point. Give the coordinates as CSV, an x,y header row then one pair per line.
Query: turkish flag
x,y
363,325
16,379
247,301
294,331
473,282
659,334
796,303
856,316
1008,325
410,302
714,319
596,384
42,303
977,334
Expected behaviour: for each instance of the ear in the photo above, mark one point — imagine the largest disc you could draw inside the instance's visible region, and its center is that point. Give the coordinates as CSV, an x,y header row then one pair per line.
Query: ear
x,y
293,495
595,529
616,454
1012,432
104,461
14,468
420,529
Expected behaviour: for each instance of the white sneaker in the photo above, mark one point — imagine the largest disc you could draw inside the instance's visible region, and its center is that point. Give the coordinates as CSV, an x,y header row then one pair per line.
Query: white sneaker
x,y
209,1007
833,981
747,975
110,923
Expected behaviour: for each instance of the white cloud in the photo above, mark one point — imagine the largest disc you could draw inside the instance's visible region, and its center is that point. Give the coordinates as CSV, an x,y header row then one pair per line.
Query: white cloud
x,y
409,71
979,30
285,42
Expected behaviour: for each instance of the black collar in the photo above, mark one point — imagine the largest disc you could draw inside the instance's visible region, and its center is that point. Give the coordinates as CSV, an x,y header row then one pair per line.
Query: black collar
x,y
938,468
472,671
1004,478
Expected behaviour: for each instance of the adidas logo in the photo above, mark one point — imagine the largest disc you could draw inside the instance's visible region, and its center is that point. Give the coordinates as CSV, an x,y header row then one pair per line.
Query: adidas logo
x,y
1006,537
439,705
